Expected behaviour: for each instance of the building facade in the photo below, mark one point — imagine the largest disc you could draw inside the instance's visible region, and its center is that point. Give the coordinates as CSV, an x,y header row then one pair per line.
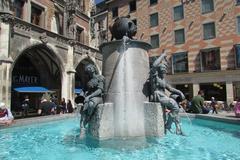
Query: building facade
x,y
44,43
200,37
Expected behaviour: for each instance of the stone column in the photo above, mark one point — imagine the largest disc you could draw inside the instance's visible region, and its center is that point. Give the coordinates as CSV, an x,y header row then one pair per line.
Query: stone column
x,y
6,20
196,88
71,85
64,85
68,77
5,82
229,92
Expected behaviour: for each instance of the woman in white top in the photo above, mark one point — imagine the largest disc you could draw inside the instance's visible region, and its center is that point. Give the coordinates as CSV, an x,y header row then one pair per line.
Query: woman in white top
x,y
6,117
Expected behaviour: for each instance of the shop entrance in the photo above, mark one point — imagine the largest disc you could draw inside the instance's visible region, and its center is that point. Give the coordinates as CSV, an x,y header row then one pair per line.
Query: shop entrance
x,y
36,72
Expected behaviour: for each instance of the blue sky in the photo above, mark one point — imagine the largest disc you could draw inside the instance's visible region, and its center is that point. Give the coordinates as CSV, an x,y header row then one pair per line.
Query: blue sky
x,y
97,1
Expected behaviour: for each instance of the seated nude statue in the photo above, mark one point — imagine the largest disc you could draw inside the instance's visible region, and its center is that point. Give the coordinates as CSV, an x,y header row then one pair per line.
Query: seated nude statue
x,y
158,87
93,96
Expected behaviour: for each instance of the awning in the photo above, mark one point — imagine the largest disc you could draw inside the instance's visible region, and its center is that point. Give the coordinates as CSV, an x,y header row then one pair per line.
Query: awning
x,y
78,90
32,90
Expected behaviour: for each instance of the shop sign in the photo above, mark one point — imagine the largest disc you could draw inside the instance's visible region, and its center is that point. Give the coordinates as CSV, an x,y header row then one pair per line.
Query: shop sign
x,y
25,80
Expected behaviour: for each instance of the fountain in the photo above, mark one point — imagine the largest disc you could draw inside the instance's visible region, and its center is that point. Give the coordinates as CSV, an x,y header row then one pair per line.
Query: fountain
x,y
126,111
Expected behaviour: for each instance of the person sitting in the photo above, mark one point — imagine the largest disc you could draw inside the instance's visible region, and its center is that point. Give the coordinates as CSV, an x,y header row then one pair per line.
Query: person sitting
x,y
197,103
237,108
6,117
46,107
205,108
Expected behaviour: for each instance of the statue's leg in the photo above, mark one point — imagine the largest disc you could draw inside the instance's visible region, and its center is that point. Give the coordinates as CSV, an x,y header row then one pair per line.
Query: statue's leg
x,y
169,122
171,104
177,123
84,115
91,105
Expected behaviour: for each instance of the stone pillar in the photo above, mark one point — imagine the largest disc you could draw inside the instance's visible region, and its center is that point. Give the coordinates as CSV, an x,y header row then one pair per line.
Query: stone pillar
x,y
71,85
5,62
4,40
5,82
27,11
64,85
229,92
196,88
68,77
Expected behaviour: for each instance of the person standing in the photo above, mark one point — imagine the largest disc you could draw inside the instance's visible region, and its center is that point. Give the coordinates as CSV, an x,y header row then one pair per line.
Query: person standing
x,y
214,105
63,106
197,103
69,106
25,107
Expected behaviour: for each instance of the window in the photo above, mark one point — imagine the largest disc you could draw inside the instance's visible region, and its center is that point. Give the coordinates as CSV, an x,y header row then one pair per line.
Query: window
x,y
153,19
17,8
215,89
237,2
207,6
114,12
132,6
209,31
238,24
59,22
152,2
237,55
210,59
178,13
155,41
37,15
80,35
179,36
180,62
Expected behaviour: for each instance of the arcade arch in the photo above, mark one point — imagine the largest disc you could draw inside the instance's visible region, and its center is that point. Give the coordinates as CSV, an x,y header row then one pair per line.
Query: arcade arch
x,y
36,66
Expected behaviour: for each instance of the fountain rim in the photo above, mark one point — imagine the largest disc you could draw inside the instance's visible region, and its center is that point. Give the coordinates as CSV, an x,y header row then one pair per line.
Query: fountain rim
x,y
139,44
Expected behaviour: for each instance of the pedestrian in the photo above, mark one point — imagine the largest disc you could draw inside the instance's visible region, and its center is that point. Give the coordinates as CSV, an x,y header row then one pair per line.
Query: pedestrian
x,y
25,107
214,105
69,106
63,106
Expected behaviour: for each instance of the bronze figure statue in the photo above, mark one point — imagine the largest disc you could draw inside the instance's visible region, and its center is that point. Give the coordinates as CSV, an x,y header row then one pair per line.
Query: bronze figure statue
x,y
158,87
93,96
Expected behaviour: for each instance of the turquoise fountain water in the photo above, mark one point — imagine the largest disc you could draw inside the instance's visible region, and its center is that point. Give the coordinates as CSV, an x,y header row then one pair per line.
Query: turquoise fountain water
x,y
204,140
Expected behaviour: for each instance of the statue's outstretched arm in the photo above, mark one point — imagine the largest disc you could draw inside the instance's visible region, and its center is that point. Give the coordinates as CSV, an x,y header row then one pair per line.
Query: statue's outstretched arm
x,y
159,60
174,90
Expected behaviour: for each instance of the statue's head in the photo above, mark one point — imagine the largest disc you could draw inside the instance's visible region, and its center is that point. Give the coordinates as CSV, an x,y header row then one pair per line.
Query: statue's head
x,y
90,69
162,68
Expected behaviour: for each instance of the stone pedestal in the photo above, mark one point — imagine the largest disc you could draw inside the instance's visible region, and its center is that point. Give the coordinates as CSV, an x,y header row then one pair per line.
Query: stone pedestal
x,y
154,119
101,126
